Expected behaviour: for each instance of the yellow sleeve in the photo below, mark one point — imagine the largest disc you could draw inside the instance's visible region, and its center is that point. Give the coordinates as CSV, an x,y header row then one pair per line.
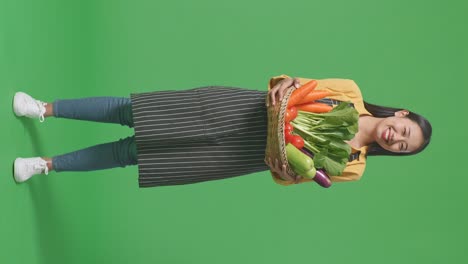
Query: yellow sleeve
x,y
345,90
341,86
280,181
352,172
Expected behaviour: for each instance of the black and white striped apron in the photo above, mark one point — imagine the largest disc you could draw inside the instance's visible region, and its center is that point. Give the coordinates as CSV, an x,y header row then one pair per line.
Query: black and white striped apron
x,y
201,134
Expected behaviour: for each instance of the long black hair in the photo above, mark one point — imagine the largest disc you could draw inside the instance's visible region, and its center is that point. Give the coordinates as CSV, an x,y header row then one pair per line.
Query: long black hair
x,y
382,111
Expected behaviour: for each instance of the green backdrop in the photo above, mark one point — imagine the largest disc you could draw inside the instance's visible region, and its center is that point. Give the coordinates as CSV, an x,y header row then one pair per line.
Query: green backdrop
x,y
409,54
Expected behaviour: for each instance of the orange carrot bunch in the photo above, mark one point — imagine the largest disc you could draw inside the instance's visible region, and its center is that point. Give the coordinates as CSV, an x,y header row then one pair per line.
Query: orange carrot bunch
x,y
298,95
304,99
314,107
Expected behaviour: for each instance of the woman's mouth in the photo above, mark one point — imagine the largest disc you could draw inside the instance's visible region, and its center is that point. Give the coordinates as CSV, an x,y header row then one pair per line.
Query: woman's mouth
x,y
386,135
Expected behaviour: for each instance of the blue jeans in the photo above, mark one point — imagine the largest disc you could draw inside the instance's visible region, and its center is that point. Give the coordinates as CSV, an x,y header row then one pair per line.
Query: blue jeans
x,y
108,109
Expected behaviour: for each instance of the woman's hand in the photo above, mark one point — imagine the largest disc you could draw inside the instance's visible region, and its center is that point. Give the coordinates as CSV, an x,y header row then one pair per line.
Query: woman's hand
x,y
281,170
279,89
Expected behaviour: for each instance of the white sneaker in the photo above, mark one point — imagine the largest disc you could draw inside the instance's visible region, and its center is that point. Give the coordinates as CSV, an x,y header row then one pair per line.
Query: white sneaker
x,y
25,105
25,168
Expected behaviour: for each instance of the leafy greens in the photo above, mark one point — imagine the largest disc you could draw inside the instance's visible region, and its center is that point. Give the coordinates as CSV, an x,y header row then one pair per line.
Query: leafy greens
x,y
324,135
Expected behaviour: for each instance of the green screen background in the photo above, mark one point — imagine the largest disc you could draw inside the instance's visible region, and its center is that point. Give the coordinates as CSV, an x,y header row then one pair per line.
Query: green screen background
x,y
409,54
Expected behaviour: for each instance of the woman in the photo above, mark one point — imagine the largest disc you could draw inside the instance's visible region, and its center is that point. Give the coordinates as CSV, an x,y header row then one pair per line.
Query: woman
x,y
381,130
206,133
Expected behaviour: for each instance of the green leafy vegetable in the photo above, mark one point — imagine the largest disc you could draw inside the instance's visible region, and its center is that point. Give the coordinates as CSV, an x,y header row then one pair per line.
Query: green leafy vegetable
x,y
324,135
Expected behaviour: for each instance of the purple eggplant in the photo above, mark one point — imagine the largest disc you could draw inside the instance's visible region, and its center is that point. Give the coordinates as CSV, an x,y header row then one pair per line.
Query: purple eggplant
x,y
322,179
308,153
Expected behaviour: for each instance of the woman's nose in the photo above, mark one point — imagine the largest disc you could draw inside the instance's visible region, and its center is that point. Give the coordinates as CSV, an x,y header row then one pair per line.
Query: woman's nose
x,y
397,136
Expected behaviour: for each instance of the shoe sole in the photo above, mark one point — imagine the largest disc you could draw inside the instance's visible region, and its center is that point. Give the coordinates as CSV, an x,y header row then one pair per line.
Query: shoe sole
x,y
17,160
16,103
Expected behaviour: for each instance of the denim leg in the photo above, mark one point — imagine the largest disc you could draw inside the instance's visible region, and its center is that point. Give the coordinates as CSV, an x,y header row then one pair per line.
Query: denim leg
x,y
107,109
118,153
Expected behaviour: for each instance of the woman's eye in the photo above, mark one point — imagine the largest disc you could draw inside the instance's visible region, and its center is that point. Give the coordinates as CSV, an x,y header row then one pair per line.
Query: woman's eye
x,y
404,132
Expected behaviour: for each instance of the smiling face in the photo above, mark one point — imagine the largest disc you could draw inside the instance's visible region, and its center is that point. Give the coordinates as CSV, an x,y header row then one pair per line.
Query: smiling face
x,y
399,134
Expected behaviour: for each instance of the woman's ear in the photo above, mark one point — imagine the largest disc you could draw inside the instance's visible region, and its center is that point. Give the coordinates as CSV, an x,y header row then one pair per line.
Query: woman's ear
x,y
402,113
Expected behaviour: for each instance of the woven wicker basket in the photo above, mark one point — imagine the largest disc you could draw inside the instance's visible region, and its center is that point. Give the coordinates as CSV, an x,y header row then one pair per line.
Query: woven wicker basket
x,y
276,147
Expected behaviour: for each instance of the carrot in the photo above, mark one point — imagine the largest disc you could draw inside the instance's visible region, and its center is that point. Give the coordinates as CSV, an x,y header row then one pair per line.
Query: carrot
x,y
315,107
302,91
314,95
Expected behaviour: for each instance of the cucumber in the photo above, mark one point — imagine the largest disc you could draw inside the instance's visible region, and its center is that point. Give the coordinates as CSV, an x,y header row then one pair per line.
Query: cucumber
x,y
300,162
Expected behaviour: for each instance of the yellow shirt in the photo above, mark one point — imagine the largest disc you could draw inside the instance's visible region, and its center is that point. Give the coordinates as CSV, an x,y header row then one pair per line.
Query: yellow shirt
x,y
343,90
